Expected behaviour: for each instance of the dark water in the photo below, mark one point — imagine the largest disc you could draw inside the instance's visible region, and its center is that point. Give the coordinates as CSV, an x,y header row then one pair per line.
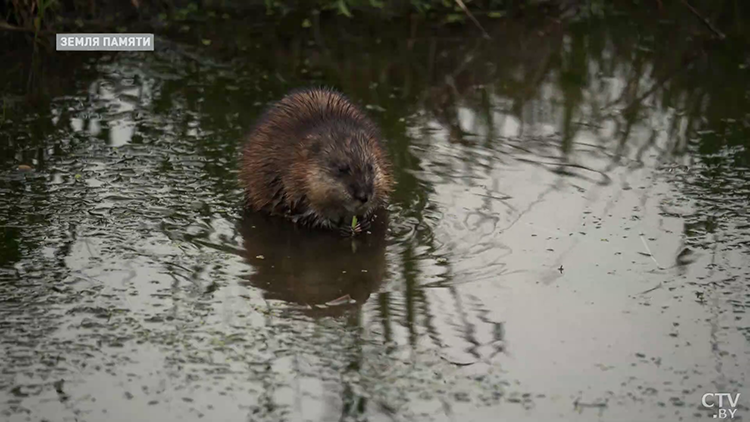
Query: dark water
x,y
569,239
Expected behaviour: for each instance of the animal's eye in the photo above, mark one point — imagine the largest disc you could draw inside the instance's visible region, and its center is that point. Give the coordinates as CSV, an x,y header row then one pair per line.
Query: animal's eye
x,y
343,169
369,167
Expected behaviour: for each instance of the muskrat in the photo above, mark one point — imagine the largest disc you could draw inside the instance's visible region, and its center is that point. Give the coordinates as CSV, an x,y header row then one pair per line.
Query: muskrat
x,y
318,160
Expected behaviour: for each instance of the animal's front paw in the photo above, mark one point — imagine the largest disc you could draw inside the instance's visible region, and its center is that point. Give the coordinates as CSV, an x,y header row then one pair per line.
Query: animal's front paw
x,y
361,226
364,226
348,231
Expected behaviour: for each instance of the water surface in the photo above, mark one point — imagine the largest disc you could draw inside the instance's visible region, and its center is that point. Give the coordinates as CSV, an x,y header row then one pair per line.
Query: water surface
x,y
568,240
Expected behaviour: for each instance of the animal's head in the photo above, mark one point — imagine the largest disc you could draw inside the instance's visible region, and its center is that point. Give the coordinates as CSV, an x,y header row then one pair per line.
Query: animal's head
x,y
348,173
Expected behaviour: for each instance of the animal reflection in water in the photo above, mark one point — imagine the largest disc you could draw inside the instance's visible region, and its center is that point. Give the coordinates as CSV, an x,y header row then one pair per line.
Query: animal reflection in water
x,y
323,272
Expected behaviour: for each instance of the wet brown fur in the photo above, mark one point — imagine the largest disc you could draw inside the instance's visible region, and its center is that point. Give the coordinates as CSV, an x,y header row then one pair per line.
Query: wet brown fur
x,y
290,160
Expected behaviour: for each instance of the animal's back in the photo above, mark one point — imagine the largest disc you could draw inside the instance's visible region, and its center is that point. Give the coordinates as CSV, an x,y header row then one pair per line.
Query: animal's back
x,y
302,109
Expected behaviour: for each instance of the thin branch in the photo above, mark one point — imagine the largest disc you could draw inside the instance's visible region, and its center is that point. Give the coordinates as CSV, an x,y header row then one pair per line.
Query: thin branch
x,y
705,20
658,286
461,4
650,254
8,27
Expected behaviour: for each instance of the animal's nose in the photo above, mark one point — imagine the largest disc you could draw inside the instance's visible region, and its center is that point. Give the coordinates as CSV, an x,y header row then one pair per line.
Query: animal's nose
x,y
361,196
